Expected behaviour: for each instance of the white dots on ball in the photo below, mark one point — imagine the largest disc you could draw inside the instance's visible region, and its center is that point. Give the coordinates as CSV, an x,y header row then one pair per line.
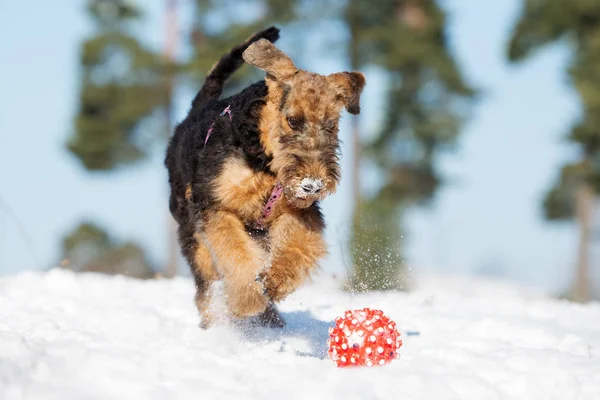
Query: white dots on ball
x,y
388,340
361,333
381,362
368,322
337,339
344,346
373,338
368,350
354,321
353,360
343,359
380,330
380,349
369,363
377,317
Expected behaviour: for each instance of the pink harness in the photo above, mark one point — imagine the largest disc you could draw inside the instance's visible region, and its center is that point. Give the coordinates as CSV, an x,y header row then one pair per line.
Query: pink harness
x,y
227,110
275,194
268,208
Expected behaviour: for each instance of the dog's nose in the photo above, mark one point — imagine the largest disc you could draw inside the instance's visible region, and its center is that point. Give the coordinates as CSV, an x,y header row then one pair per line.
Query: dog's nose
x,y
311,186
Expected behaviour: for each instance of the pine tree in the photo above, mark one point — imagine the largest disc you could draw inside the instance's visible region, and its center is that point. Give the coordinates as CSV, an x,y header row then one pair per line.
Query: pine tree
x,y
126,90
88,248
576,23
121,91
426,99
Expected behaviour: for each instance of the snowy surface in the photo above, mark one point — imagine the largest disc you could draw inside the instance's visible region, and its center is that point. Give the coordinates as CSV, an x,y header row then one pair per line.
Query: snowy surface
x,y
65,336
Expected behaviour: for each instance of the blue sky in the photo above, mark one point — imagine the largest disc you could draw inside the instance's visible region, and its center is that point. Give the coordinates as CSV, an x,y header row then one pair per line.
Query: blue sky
x,y
487,219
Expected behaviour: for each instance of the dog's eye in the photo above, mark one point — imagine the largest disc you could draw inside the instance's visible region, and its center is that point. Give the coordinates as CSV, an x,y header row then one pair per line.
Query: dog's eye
x,y
295,123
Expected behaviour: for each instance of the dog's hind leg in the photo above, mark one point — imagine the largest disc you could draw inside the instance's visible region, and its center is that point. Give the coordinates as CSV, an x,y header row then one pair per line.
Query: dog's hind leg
x,y
204,275
239,259
199,258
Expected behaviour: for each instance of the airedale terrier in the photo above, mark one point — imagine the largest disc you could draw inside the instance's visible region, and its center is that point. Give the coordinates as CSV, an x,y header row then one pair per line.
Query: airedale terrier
x,y
247,174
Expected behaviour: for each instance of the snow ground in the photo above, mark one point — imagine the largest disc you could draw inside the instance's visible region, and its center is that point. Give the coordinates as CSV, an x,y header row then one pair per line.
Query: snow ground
x,y
66,336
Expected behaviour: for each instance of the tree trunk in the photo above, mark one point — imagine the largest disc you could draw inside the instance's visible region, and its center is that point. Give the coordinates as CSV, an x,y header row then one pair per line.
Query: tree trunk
x,y
355,122
585,204
169,54
356,150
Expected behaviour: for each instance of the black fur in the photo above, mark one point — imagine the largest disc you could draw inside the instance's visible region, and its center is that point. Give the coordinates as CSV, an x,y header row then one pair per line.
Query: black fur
x,y
189,162
227,65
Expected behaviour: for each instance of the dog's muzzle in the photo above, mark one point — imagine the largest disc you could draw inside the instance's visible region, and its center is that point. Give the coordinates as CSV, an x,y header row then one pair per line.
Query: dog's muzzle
x,y
309,187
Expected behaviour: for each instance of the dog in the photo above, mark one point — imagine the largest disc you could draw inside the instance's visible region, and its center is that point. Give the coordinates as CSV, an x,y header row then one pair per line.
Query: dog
x,y
246,176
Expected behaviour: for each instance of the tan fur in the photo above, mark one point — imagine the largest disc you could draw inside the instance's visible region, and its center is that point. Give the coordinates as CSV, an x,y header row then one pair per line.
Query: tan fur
x,y
297,249
242,191
264,55
239,260
203,265
268,123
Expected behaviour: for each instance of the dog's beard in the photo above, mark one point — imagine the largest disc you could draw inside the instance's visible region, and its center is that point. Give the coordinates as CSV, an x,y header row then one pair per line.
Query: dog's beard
x,y
302,202
300,199
292,170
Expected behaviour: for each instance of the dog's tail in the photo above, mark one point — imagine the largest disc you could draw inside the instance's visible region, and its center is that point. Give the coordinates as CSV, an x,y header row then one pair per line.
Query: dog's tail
x,y
227,65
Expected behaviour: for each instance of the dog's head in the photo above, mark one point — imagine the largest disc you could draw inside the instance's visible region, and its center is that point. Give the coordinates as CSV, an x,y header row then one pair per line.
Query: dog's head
x,y
299,125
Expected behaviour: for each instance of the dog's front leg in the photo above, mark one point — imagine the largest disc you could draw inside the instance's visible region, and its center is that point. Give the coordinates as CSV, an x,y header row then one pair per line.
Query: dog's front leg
x,y
239,259
296,249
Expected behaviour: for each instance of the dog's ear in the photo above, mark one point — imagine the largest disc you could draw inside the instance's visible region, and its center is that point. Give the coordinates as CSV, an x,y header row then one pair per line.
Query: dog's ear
x,y
264,55
349,86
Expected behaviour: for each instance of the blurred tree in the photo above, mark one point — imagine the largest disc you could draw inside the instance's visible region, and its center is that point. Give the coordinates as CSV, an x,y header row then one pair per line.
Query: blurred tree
x,y
126,89
122,87
88,248
576,23
171,39
426,101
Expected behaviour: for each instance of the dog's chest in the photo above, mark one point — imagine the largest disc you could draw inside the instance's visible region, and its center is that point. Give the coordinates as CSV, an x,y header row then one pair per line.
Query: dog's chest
x,y
243,191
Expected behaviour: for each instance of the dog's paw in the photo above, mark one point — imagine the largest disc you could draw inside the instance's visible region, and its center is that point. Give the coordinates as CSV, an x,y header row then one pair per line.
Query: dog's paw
x,y
266,282
261,281
270,318
246,301
275,286
205,324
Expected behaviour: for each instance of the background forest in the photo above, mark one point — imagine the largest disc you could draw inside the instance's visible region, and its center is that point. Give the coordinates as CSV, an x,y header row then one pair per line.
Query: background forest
x,y
478,150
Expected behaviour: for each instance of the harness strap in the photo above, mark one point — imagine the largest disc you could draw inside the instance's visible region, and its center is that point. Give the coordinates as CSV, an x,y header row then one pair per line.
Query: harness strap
x,y
268,208
227,110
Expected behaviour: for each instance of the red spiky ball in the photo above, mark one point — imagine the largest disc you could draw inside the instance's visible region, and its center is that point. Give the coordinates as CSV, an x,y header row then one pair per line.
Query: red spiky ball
x,y
363,337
